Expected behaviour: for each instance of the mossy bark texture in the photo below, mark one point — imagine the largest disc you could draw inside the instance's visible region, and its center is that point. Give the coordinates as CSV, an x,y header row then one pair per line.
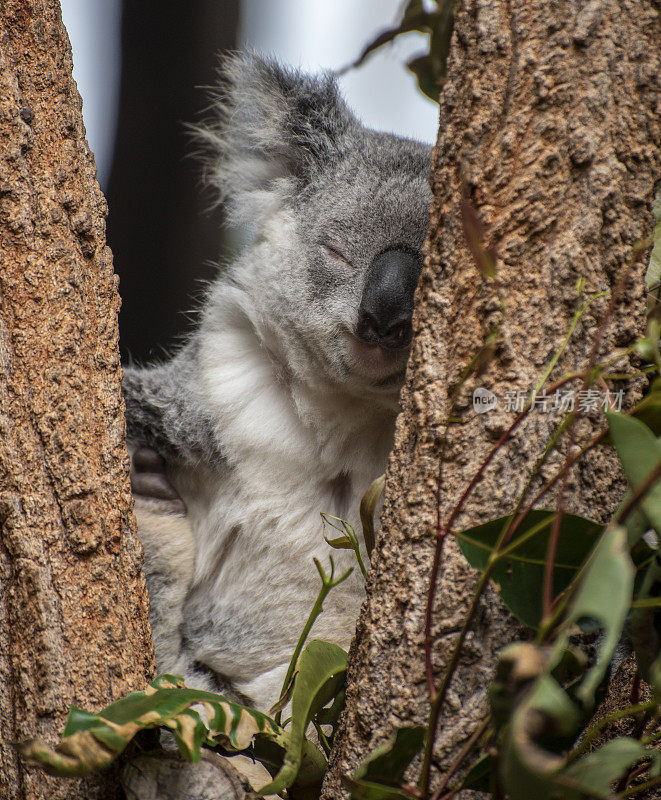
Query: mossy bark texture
x,y
549,128
73,603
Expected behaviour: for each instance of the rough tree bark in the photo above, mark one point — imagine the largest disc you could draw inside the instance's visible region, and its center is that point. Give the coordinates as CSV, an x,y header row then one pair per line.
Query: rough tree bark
x,y
550,124
73,616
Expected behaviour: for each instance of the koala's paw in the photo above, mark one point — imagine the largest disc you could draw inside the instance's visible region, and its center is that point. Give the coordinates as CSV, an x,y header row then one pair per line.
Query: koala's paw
x,y
150,483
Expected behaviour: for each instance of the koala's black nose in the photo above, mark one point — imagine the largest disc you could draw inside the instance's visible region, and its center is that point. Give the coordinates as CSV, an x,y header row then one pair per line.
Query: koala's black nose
x,y
384,315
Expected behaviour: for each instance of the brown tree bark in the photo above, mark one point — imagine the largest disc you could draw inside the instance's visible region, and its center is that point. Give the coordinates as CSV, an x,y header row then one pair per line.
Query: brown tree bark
x,y
73,617
550,126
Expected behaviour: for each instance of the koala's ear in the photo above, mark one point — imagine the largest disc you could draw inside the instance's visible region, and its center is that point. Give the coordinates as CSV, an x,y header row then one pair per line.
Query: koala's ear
x,y
273,129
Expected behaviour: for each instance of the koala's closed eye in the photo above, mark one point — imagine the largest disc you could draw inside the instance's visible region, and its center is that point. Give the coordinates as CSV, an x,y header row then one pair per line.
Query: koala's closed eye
x,y
337,254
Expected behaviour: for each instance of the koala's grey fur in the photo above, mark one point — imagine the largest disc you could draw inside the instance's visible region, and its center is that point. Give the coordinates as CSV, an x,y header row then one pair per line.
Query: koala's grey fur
x,y
271,414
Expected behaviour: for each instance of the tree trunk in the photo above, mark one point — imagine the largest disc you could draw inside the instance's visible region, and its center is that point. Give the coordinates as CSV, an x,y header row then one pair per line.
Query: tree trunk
x,y
73,621
550,128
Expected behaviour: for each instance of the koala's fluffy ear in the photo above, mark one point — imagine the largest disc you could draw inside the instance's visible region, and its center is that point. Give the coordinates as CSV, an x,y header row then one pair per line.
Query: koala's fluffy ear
x,y
274,129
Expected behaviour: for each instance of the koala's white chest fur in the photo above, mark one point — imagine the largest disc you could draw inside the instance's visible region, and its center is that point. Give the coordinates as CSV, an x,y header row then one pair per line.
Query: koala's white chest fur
x,y
290,453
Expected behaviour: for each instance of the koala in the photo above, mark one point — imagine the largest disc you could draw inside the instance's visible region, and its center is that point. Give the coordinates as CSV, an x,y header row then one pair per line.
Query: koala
x,y
282,403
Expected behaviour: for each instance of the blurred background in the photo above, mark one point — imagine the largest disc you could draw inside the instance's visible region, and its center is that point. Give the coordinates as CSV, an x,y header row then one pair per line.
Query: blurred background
x,y
141,68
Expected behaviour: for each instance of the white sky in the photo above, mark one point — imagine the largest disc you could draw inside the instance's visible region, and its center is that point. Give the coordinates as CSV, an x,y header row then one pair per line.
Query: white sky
x,y
328,34
94,30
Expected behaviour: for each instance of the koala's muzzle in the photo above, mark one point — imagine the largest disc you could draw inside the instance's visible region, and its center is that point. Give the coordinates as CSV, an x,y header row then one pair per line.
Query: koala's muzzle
x,y
386,307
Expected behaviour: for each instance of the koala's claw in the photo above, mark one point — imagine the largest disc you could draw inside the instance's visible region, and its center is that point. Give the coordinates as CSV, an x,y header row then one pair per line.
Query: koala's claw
x,y
149,481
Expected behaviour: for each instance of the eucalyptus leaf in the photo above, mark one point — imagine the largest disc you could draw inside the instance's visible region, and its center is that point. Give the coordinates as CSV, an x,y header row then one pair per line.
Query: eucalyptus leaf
x,y
479,775
603,595
644,626
93,741
366,790
529,768
380,776
388,762
648,410
368,510
519,575
330,716
441,37
636,524
540,729
424,69
640,453
270,753
597,771
541,722
340,543
320,676
429,67
348,540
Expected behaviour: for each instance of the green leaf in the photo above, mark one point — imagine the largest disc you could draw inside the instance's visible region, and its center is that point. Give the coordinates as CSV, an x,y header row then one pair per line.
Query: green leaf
x,y
648,410
270,753
604,595
439,42
348,541
636,524
321,675
519,575
93,741
364,790
531,768
545,721
81,720
597,771
640,453
644,626
413,9
479,775
341,543
368,509
331,715
519,665
424,69
388,762
381,774
541,722
429,67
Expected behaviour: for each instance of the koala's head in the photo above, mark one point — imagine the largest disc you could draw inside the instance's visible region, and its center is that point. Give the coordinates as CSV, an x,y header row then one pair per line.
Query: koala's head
x,y
338,214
